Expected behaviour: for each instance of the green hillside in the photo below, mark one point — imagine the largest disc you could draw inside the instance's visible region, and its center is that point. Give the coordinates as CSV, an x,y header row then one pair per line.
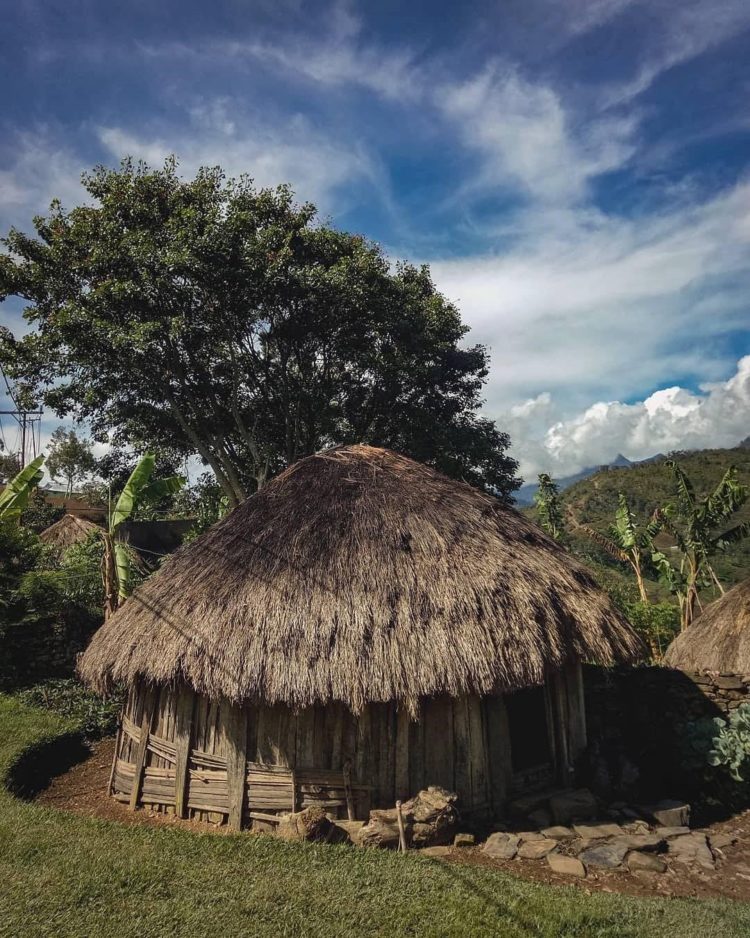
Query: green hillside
x,y
647,486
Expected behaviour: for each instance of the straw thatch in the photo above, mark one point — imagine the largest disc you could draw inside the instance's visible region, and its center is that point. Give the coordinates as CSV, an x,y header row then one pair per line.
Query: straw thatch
x,y
718,639
359,575
69,530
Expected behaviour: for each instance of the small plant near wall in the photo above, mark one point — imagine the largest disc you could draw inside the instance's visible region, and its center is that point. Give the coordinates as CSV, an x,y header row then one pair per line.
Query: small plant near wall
x,y
731,747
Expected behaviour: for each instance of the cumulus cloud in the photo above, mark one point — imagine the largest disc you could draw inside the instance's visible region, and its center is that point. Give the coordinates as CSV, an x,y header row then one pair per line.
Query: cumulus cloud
x,y
718,415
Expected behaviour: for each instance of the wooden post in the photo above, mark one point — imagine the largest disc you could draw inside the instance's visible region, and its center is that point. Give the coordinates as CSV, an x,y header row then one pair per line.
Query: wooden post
x,y
401,832
118,743
236,764
183,733
150,696
350,812
402,754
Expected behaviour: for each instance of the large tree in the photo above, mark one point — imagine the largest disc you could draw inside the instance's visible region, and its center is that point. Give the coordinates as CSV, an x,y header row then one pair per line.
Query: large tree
x,y
207,316
70,458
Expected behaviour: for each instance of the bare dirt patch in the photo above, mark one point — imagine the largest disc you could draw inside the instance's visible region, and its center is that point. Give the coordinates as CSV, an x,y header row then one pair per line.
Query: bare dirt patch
x,y
82,790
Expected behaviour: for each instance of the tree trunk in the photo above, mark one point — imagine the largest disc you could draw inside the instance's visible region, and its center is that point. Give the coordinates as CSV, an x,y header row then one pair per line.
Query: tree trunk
x,y
109,577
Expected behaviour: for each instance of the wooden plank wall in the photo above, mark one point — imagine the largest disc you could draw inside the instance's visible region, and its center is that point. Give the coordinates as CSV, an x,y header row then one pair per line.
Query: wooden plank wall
x,y
191,761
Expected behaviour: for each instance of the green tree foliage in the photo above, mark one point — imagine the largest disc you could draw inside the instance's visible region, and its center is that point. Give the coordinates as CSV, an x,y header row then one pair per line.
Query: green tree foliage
x,y
14,498
209,317
549,507
10,465
701,528
69,458
117,564
204,501
628,541
39,514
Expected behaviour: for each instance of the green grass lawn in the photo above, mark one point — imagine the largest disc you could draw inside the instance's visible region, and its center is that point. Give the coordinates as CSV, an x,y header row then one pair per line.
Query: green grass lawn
x,y
63,875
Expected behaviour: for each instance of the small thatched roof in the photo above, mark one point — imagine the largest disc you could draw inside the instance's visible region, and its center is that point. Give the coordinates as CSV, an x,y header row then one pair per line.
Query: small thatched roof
x,y
718,639
359,575
67,531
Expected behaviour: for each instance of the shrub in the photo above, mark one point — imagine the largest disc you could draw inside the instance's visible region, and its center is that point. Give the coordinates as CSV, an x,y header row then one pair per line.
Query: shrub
x,y
94,716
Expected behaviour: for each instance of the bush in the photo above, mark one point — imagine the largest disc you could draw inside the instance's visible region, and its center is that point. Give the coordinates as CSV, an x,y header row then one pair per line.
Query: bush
x,y
715,755
94,716
656,623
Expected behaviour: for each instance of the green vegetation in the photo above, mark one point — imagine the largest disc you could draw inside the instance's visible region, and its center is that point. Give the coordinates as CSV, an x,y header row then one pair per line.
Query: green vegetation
x,y
649,486
69,458
208,317
549,507
94,717
74,877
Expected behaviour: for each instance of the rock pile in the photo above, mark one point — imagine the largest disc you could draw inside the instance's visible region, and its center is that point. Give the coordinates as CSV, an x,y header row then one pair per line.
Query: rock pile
x,y
642,839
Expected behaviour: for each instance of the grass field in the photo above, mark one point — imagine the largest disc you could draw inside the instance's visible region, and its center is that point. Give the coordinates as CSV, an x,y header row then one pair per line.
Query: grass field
x,y
63,875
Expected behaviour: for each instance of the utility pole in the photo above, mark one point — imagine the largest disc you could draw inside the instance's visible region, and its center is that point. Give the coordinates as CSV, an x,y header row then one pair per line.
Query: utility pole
x,y
26,419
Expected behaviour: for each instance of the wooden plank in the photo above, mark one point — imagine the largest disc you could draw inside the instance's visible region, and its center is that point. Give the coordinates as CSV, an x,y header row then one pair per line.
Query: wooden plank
x,y
462,751
305,738
498,746
477,753
149,701
183,729
118,744
416,754
236,736
363,755
439,742
576,710
401,770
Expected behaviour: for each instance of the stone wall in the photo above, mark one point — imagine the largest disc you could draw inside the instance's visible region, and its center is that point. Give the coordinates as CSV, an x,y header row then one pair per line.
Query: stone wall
x,y
725,691
33,651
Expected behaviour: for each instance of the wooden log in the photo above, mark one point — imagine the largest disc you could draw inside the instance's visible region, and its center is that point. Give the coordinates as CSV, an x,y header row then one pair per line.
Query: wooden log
x,y
236,764
149,695
183,729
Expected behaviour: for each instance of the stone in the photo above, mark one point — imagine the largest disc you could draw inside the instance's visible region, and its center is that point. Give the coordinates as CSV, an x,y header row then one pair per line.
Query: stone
x,y
671,813
536,849
523,806
668,832
729,682
527,836
653,843
350,828
605,856
721,840
558,832
464,840
692,848
569,805
436,852
638,862
501,846
597,831
566,866
540,818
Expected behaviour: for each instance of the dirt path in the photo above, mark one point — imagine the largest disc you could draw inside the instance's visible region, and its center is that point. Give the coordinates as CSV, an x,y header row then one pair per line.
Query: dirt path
x,y
82,790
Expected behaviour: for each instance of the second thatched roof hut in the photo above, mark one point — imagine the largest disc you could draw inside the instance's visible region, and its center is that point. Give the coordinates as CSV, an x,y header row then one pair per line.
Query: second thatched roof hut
x,y
718,641
359,629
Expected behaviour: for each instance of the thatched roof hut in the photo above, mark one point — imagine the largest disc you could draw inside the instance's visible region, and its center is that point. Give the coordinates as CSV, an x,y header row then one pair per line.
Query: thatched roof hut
x,y
69,530
718,640
357,591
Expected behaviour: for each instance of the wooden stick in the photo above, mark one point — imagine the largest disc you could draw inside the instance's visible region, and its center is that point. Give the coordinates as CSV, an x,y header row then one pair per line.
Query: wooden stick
x,y
118,741
350,812
401,831
149,705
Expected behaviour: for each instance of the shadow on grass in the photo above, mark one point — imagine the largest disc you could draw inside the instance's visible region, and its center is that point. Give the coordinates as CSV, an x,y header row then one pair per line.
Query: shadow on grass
x,y
35,768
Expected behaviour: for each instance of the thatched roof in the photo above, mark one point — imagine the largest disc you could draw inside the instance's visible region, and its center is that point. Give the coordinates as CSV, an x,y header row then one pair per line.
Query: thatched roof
x,y
359,575
67,531
718,639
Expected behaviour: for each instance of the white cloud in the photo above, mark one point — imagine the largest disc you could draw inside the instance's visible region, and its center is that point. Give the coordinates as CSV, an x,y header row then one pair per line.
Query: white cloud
x,y
526,138
669,419
320,168
584,304
41,168
681,31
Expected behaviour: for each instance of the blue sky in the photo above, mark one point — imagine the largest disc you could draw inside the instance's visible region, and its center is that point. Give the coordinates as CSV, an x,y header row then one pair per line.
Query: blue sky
x,y
576,174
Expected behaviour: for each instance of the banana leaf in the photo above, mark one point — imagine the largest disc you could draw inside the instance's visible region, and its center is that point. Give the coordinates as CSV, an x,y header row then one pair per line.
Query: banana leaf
x,y
15,496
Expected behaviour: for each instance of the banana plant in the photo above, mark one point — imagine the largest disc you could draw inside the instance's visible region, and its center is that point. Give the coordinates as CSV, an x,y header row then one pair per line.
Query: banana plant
x,y
699,529
117,563
15,496
628,542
